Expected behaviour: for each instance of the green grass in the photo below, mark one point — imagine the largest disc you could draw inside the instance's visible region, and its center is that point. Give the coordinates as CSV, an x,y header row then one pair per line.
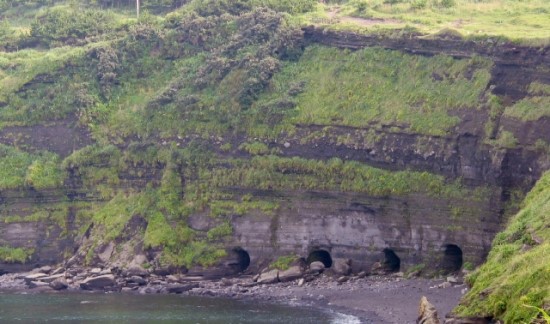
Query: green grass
x,y
283,262
534,106
15,255
527,21
517,271
19,169
277,173
381,86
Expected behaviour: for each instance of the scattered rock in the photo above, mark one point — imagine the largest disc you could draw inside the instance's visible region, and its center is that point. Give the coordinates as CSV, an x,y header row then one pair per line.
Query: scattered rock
x,y
59,284
34,277
135,271
290,274
180,288
427,314
137,279
398,274
95,271
377,269
341,266
226,282
52,278
446,284
362,274
99,282
45,269
301,282
316,266
58,271
172,278
342,279
36,284
455,280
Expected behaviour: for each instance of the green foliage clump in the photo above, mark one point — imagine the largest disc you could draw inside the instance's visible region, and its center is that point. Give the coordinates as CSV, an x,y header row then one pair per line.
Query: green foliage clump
x,y
283,262
20,169
15,255
517,271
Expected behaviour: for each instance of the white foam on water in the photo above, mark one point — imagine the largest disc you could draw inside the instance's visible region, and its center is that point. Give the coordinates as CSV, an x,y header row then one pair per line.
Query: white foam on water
x,y
340,318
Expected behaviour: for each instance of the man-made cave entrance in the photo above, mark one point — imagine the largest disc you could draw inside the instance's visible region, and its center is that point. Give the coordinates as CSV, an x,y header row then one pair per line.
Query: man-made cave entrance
x,y
392,263
452,259
241,260
322,256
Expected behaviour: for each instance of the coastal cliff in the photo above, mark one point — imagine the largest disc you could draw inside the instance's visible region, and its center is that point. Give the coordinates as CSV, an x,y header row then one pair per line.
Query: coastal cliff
x,y
215,143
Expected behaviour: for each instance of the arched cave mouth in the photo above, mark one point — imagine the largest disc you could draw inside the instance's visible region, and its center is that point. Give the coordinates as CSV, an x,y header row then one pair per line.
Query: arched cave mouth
x,y
321,256
452,258
392,263
241,260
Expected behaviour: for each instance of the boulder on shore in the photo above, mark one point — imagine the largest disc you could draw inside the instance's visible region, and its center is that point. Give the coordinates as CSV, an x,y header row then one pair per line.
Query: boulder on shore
x,y
269,277
99,282
341,266
34,277
59,284
316,266
290,274
427,314
180,288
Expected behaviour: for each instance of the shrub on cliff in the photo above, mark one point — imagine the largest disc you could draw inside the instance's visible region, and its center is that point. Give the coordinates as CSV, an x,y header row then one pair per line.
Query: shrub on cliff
x,y
517,272
65,25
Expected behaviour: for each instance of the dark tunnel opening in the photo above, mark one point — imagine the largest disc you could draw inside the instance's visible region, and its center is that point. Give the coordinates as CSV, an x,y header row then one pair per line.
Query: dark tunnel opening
x,y
241,260
321,256
392,263
452,259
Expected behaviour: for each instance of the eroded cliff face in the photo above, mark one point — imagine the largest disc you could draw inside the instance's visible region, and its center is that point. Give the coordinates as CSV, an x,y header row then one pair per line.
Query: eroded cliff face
x,y
438,228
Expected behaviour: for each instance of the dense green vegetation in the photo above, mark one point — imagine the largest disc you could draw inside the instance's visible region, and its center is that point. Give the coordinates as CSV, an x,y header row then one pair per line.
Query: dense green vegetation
x,y
517,273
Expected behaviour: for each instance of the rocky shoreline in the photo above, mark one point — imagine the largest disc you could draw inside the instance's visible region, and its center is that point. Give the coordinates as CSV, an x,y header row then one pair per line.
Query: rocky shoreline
x,y
382,298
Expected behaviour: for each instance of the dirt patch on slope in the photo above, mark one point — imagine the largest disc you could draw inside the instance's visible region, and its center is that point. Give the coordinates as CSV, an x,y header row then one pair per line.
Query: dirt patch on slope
x,y
61,137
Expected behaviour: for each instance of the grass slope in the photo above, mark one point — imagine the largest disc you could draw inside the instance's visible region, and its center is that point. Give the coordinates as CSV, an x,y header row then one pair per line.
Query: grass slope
x,y
525,21
517,272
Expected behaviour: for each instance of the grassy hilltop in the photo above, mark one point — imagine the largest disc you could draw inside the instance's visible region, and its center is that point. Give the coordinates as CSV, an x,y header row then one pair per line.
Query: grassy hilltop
x,y
193,95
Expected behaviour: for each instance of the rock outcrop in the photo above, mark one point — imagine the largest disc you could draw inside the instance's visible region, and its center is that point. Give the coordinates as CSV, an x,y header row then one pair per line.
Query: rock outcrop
x,y
427,314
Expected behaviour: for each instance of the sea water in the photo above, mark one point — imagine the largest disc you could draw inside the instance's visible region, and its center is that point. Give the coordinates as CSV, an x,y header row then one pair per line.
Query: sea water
x,y
127,308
